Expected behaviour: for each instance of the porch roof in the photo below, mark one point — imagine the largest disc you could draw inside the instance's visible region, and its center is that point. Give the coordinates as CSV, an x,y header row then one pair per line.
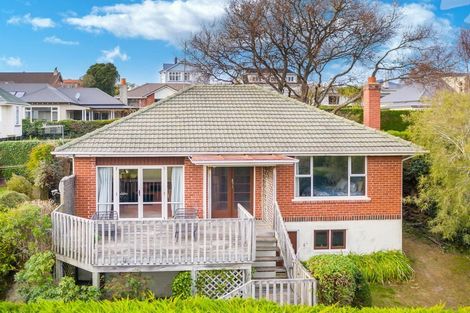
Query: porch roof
x,y
242,159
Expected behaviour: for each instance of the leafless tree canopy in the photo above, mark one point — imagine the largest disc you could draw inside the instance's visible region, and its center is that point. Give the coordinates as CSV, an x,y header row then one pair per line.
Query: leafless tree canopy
x,y
464,48
323,41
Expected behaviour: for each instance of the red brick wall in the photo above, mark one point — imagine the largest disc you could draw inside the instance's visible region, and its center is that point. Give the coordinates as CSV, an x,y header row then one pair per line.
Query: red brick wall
x,y
384,188
85,186
140,161
371,99
193,186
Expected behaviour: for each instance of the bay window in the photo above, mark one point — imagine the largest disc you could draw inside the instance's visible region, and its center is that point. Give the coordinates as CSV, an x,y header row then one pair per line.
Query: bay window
x,y
330,176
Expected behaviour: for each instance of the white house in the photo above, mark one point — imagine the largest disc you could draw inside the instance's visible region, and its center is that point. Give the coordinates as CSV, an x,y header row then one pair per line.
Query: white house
x,y
182,72
11,115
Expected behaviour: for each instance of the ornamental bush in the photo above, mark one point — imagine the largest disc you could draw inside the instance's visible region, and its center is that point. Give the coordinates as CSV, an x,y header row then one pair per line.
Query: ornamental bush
x,y
20,184
40,153
127,286
181,286
11,199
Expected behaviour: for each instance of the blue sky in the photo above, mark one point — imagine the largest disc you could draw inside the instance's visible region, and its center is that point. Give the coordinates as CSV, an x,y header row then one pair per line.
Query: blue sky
x,y
138,36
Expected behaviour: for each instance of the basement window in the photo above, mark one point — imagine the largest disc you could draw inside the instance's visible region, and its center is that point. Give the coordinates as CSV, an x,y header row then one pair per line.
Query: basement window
x,y
329,239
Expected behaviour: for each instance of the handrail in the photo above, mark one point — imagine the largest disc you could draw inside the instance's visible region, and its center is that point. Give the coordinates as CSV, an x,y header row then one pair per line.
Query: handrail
x,y
294,267
243,213
154,242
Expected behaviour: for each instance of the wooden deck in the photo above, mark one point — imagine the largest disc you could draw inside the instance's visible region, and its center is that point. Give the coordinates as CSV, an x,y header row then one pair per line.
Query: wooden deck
x,y
134,243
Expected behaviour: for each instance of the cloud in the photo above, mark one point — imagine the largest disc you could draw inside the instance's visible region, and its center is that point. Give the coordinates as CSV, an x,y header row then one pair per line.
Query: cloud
x,y
12,61
110,55
57,41
35,22
151,19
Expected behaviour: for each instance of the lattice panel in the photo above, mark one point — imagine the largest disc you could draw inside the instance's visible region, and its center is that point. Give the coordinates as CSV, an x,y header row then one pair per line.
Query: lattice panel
x,y
268,194
214,284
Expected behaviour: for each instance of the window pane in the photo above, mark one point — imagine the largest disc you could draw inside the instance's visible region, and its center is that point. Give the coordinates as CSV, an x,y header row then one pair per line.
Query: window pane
x,y
358,186
358,165
152,184
128,193
338,239
303,167
330,176
105,188
303,187
321,239
175,189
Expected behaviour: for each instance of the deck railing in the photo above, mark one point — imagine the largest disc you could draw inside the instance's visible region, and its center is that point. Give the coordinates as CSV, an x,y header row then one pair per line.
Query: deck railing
x,y
154,242
282,291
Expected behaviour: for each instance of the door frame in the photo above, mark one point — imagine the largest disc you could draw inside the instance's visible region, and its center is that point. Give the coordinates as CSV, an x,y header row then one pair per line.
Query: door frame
x,y
208,181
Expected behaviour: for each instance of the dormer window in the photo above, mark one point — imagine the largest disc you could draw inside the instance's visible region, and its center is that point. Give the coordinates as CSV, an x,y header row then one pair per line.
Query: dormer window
x,y
174,76
290,79
187,76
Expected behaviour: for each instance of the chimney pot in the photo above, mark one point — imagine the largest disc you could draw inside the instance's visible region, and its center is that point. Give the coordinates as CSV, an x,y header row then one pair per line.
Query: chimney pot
x,y
123,82
176,60
371,103
123,91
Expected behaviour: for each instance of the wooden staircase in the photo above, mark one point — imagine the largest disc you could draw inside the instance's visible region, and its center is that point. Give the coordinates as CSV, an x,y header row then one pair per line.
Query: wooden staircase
x,y
268,263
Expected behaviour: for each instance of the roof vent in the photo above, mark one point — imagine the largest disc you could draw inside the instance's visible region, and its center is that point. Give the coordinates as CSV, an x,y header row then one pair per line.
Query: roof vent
x,y
77,95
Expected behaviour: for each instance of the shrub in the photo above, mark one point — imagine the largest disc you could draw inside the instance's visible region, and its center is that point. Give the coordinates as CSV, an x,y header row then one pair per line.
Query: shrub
x,y
127,285
12,199
41,152
198,305
48,175
36,282
336,278
14,154
383,266
74,129
403,134
181,286
20,184
362,294
23,232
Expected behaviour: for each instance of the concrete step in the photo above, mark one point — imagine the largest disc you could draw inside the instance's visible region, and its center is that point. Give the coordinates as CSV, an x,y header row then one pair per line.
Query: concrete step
x,y
276,269
266,253
269,275
274,258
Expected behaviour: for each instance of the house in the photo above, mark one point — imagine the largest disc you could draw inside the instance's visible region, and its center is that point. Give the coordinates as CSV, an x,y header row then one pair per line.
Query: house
x,y
408,97
263,79
231,177
52,78
11,115
51,103
182,72
72,83
148,93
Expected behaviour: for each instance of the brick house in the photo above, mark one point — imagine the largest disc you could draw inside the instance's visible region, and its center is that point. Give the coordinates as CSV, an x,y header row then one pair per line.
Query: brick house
x,y
272,181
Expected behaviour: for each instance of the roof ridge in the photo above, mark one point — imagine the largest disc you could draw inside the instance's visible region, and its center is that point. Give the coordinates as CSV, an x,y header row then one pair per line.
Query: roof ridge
x,y
141,111
398,139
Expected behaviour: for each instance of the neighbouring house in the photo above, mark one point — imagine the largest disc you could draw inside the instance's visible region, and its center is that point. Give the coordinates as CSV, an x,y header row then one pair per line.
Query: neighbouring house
x,y
182,72
231,177
72,83
11,115
51,103
52,78
408,97
146,94
263,78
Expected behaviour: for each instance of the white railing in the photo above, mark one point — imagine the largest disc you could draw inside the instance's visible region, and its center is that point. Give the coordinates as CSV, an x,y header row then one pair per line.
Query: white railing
x,y
282,291
294,267
154,242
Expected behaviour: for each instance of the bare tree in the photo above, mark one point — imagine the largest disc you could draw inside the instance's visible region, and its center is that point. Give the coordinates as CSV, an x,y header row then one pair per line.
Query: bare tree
x,y
463,48
322,41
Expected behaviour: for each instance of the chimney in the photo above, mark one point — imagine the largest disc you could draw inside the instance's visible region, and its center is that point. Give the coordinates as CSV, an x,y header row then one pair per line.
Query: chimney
x,y
176,60
123,91
371,103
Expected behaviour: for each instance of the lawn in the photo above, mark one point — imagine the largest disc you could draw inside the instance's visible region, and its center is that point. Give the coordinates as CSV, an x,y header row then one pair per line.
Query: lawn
x,y
3,189
440,278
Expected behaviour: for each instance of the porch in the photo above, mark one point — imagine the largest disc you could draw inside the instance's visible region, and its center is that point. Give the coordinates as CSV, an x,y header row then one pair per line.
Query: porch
x,y
154,245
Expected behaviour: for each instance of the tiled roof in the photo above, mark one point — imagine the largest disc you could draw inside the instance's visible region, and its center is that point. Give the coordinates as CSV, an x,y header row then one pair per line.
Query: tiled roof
x,y
147,88
52,78
8,98
234,119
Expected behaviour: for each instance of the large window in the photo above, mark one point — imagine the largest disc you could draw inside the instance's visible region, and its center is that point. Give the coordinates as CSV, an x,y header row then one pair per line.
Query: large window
x,y
174,76
42,113
330,176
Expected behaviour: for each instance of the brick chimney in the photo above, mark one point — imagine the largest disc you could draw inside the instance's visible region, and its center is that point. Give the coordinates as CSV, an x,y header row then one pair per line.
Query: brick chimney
x,y
371,103
123,91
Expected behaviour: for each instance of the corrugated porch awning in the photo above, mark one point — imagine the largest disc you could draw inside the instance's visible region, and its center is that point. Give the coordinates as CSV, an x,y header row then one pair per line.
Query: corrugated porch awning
x,y
242,159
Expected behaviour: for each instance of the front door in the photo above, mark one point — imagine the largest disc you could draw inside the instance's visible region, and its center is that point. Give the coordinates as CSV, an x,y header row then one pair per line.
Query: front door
x,y
231,186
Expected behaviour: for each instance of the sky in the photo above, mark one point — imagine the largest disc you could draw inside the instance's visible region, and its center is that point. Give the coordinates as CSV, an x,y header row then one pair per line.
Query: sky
x,y
139,36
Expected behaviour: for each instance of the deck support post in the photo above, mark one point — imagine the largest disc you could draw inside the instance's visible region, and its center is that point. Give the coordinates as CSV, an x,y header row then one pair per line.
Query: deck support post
x,y
193,281
248,274
95,279
59,270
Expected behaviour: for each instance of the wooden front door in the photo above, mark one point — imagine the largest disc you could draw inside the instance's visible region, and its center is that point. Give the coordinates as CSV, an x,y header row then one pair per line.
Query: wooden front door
x,y
293,239
230,186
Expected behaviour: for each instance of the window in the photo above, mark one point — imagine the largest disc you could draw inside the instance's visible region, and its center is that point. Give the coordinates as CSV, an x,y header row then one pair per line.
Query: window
x,y
45,113
330,176
321,239
17,115
27,113
54,114
187,76
329,239
105,189
333,100
290,79
99,116
174,76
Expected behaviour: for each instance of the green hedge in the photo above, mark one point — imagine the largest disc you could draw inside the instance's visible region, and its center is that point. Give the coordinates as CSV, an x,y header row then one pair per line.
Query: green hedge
x,y
394,120
198,305
15,154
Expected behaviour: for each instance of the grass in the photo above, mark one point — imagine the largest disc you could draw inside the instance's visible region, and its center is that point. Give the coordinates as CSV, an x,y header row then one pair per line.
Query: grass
x,y
441,277
3,189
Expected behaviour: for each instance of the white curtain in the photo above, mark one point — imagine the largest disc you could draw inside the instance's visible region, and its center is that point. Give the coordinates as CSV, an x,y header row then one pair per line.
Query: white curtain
x,y
176,188
105,188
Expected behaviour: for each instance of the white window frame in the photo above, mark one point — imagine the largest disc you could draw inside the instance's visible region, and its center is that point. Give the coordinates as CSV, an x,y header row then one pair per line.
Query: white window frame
x,y
290,79
140,203
187,76
17,115
174,76
311,175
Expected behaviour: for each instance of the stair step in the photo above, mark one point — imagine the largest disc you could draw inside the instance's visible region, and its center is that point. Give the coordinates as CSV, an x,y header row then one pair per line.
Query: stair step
x,y
276,269
268,258
267,248
269,275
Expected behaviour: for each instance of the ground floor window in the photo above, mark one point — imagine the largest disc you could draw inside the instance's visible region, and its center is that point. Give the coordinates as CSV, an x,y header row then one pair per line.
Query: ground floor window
x,y
329,239
101,115
42,113
140,192
76,115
